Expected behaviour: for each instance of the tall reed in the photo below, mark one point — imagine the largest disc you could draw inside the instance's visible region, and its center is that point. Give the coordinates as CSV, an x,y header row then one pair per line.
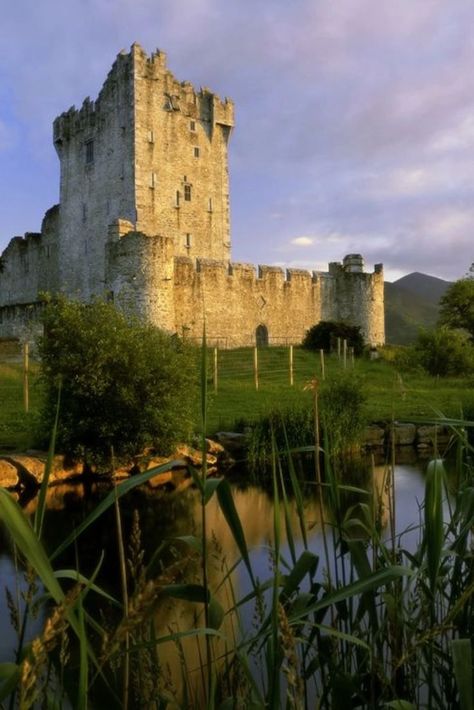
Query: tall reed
x,y
374,624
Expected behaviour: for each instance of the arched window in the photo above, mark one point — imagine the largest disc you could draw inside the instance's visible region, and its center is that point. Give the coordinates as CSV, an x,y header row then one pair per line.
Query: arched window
x,y
261,336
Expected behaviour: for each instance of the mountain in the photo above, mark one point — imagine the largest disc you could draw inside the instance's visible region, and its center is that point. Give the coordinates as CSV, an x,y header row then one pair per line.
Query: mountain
x,y
411,303
430,288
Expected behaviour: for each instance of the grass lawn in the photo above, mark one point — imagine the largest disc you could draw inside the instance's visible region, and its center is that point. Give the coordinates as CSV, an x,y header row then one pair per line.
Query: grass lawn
x,y
403,396
17,427
389,394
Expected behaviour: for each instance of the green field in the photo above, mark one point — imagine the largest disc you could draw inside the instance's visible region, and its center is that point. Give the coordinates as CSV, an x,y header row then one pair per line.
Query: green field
x,y
403,396
389,393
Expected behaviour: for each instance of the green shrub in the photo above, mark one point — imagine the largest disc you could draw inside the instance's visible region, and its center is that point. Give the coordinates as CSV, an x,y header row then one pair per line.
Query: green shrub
x,y
124,384
324,335
341,417
444,352
293,426
342,412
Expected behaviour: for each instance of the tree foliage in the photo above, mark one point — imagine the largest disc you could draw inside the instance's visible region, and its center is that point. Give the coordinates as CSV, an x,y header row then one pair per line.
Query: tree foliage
x,y
123,384
324,335
444,352
457,306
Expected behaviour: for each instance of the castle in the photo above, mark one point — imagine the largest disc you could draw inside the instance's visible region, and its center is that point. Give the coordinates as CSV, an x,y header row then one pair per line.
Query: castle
x,y
143,221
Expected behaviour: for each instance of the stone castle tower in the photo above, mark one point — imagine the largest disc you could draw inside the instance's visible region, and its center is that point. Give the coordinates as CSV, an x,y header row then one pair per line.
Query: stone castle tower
x,y
151,151
144,220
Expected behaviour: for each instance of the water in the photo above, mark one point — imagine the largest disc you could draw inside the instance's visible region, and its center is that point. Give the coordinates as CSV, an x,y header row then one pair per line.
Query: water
x,y
165,516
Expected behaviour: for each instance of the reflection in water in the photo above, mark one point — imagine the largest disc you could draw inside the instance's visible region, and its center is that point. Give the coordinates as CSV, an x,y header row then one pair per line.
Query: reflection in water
x,y
166,516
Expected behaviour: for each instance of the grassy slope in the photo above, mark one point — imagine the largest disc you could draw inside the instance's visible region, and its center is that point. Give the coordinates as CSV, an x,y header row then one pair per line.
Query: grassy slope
x,y
16,427
404,396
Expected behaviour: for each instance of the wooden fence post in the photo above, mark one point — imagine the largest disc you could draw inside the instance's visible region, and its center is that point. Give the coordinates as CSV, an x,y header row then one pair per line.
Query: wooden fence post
x,y
291,366
215,369
323,373
344,353
352,358
255,366
26,364
338,348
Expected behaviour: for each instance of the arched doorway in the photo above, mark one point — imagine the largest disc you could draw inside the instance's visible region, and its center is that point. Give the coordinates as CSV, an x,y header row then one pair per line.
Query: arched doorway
x,y
261,336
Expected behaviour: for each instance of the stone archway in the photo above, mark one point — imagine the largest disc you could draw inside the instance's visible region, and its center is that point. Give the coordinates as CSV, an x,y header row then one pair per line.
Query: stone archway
x,y
261,336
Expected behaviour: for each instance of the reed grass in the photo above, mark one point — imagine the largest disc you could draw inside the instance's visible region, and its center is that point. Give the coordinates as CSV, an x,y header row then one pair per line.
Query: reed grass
x,y
372,625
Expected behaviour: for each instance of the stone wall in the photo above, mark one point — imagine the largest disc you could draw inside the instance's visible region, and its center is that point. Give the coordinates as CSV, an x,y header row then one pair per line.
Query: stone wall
x,y
144,220
181,162
179,294
237,299
95,145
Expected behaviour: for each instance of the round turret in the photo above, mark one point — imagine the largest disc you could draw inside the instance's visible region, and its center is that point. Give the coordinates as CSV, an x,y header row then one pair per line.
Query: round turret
x,y
354,263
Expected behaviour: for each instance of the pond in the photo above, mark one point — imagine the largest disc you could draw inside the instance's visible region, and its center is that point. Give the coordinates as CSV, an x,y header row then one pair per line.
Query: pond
x,y
170,516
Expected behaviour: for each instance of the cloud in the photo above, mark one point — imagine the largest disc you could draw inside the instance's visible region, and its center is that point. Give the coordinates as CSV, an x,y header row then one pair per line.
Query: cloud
x,y
302,241
354,121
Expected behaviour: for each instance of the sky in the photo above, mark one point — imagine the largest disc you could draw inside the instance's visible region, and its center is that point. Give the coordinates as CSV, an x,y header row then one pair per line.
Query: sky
x,y
354,118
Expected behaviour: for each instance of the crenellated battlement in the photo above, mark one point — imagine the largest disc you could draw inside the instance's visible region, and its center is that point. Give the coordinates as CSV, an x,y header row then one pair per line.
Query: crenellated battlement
x,y
149,157
92,114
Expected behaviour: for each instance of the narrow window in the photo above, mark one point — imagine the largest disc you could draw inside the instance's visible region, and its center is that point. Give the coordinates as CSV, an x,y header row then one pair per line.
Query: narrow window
x,y
177,198
196,152
152,183
151,137
187,241
192,125
187,193
209,206
171,102
89,152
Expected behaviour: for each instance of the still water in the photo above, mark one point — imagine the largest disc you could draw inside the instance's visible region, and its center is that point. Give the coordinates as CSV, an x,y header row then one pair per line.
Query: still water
x,y
167,516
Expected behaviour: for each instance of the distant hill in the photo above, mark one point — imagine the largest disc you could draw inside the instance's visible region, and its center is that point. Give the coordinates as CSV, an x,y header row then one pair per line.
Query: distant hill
x,y
430,288
411,302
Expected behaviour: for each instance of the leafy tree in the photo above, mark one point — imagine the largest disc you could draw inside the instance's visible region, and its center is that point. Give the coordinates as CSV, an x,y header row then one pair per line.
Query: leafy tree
x,y
123,384
444,352
324,336
457,306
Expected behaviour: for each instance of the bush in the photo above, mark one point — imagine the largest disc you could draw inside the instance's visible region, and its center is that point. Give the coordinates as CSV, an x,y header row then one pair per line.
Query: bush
x,y
124,384
341,408
324,335
341,417
444,352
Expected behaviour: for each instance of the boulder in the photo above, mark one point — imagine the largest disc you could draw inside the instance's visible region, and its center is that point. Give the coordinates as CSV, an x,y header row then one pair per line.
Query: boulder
x,y
27,465
427,435
233,442
214,448
373,435
403,434
8,474
160,479
193,456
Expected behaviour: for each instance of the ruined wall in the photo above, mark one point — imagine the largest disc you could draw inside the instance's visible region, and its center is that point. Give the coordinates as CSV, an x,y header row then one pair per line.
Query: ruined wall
x,y
181,180
29,264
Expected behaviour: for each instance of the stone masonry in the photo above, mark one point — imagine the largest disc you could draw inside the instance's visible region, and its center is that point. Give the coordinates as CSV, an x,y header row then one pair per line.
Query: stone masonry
x,y
144,221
